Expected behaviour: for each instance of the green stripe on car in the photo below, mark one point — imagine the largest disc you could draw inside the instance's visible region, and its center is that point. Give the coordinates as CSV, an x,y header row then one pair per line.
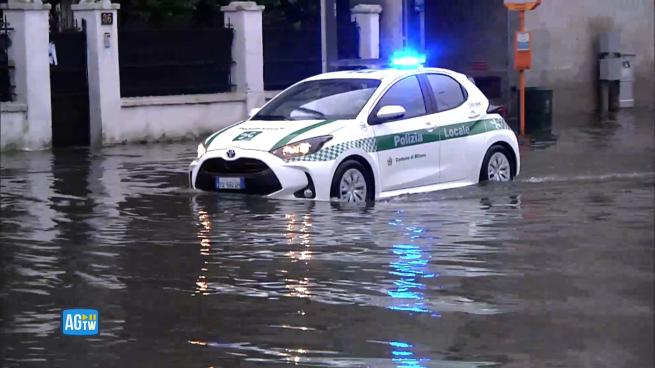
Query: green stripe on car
x,y
284,141
422,136
209,140
407,139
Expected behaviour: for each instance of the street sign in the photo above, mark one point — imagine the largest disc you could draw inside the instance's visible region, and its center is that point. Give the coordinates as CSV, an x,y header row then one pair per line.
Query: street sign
x,y
522,51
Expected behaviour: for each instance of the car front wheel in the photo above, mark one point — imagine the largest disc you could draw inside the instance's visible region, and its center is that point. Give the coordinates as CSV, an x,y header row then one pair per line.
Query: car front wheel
x,y
497,165
352,183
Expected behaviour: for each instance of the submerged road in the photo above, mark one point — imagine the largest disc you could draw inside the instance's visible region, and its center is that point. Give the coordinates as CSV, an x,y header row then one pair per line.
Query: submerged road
x,y
553,270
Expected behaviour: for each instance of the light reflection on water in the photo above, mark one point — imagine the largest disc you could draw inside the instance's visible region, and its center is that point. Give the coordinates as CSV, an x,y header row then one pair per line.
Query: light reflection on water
x,y
411,267
524,274
403,355
204,233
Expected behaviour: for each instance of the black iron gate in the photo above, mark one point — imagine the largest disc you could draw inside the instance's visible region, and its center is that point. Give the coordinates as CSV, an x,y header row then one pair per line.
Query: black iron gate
x,y
291,54
175,61
6,88
69,89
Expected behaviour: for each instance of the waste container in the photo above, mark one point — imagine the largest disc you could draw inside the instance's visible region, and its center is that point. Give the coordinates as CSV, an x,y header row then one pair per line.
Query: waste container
x,y
538,109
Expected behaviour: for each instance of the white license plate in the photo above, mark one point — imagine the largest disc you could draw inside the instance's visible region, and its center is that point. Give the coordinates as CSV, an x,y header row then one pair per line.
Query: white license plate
x,y
230,183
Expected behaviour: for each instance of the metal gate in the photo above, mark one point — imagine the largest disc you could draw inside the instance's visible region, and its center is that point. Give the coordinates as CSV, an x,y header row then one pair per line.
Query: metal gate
x,y
6,88
69,89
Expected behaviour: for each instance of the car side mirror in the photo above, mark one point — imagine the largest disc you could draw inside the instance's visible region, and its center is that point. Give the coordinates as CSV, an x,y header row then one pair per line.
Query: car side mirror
x,y
254,112
390,112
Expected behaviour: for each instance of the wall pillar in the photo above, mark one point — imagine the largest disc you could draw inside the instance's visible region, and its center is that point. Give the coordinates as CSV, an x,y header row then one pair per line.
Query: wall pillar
x,y
29,52
103,69
247,73
392,27
367,18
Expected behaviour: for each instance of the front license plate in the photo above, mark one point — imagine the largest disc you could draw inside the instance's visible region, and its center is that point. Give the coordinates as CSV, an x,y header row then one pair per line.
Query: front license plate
x,y
230,183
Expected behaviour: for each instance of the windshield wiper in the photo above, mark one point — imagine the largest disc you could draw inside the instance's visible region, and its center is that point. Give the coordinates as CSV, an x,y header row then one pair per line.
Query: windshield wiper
x,y
270,117
310,111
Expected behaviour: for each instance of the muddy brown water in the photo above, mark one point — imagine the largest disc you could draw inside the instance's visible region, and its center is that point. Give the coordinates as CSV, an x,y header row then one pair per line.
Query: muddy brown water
x,y
553,270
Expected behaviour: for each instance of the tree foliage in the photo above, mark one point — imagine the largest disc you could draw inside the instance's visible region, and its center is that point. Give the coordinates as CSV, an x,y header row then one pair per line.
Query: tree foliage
x,y
204,12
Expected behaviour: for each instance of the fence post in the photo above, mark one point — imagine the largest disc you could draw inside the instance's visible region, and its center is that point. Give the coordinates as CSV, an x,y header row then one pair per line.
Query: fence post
x,y
247,73
99,20
367,18
29,51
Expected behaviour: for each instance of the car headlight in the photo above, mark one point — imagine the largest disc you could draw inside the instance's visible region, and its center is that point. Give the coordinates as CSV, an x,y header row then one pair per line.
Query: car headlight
x,y
201,150
301,148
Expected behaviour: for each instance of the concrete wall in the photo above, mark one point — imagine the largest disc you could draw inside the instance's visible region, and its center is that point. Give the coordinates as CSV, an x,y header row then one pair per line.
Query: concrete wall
x,y
13,126
176,117
565,41
118,120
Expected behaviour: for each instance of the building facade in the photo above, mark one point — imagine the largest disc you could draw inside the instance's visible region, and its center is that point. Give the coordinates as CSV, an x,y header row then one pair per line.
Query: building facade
x,y
475,37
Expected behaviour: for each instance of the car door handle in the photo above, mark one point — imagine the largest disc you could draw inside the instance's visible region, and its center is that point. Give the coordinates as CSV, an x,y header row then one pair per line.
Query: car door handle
x,y
474,116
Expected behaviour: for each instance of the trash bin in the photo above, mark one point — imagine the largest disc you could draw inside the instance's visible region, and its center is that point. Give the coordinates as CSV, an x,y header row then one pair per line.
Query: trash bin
x,y
538,109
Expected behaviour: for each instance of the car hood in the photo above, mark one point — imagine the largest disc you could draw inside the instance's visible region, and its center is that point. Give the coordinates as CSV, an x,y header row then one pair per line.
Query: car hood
x,y
267,135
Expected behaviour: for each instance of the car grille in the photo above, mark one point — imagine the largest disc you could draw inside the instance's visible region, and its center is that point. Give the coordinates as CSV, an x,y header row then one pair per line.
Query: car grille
x,y
238,166
259,178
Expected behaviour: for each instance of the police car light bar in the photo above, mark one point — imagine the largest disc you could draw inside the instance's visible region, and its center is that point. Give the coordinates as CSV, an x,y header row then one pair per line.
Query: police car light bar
x,y
407,59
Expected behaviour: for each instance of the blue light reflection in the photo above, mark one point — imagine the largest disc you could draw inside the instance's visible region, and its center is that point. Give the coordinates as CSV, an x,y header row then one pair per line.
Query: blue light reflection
x,y
409,268
403,355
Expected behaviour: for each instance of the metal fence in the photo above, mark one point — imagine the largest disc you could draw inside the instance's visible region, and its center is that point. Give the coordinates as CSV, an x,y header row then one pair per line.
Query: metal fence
x,y
159,62
290,54
6,88
348,40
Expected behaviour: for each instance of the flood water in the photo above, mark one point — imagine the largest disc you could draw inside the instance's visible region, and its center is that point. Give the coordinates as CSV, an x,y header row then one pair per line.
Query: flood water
x,y
553,270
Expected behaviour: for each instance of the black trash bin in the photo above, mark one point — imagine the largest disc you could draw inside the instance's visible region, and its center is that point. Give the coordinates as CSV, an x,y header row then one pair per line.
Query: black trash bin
x,y
538,109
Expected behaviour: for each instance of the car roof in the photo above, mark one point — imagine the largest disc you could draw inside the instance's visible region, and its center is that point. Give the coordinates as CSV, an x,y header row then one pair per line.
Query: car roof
x,y
380,74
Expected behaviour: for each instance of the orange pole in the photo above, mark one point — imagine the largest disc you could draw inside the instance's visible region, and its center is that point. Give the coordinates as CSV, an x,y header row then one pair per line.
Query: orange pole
x,y
522,93
522,78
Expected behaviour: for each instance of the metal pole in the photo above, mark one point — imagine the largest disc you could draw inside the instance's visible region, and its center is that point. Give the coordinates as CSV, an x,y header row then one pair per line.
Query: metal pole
x,y
324,36
522,77
510,71
422,32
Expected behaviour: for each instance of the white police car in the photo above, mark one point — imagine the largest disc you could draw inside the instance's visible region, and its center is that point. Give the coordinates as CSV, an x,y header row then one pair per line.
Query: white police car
x,y
362,135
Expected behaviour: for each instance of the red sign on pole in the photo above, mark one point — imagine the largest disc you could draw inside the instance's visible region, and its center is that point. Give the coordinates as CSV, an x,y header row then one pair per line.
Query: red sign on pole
x,y
522,51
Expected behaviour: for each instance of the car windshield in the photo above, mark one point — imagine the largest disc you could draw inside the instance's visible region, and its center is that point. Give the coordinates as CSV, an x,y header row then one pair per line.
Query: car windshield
x,y
320,99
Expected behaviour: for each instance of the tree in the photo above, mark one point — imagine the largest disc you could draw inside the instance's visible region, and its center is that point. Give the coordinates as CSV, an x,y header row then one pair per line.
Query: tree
x,y
177,12
195,12
156,12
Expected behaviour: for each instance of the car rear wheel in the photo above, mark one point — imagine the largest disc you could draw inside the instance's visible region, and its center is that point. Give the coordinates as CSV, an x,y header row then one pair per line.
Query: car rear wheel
x,y
497,165
352,183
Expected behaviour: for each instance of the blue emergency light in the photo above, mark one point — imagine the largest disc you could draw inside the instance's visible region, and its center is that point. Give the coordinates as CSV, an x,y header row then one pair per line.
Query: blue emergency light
x,y
407,59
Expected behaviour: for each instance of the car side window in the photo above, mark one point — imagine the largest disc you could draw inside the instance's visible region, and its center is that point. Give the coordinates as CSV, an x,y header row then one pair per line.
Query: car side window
x,y
406,93
448,93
